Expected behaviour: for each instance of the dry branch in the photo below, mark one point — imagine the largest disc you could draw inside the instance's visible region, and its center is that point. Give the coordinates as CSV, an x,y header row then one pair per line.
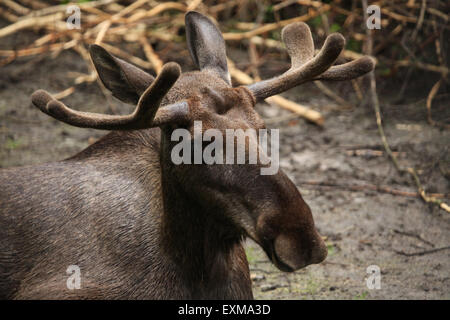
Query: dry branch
x,y
425,66
124,55
328,92
38,50
8,15
194,4
303,111
434,90
367,187
152,57
34,4
19,9
421,253
157,10
29,23
63,7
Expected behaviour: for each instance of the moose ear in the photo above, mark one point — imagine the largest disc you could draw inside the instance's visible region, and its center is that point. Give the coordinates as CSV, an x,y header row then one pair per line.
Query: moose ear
x,y
125,81
206,44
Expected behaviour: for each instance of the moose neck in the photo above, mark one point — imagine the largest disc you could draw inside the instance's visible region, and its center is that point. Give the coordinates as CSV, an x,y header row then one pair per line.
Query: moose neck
x,y
197,239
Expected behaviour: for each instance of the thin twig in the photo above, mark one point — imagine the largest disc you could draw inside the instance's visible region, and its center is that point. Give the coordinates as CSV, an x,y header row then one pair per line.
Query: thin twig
x,y
413,235
124,55
157,10
421,253
63,7
434,90
327,91
21,10
152,57
29,23
35,4
421,65
8,15
194,4
420,21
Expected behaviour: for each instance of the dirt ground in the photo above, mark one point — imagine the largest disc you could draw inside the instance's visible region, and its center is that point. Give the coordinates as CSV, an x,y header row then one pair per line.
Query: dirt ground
x,y
362,227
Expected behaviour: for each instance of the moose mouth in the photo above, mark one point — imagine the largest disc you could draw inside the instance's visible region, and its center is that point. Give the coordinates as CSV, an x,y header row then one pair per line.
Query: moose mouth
x,y
280,264
269,249
289,258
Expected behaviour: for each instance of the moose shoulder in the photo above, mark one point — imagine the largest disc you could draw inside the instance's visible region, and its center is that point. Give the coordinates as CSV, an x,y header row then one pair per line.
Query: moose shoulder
x,y
141,227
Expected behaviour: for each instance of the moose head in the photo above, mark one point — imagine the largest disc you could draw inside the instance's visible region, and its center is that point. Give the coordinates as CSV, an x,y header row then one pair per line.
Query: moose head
x,y
267,208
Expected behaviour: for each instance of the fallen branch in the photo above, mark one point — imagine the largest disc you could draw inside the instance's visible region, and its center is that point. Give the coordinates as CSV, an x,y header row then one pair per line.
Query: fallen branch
x,y
63,7
426,197
194,4
63,94
368,153
328,92
157,10
16,7
13,54
35,4
152,57
425,66
288,117
30,22
303,111
434,90
124,55
421,253
368,187
8,15
413,235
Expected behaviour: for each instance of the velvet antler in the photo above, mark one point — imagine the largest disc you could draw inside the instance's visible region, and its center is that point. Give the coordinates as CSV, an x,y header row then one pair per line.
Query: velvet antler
x,y
307,67
146,115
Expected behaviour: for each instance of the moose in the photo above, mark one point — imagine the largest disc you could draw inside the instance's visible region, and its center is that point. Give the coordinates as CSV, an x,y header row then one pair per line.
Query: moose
x,y
139,226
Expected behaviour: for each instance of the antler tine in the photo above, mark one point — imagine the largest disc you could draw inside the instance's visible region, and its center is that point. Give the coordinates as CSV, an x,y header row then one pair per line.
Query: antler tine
x,y
144,116
300,47
349,70
305,67
299,43
151,98
56,109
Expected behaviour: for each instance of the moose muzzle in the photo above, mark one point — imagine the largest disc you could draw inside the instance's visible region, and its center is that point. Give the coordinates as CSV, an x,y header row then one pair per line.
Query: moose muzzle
x,y
292,251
